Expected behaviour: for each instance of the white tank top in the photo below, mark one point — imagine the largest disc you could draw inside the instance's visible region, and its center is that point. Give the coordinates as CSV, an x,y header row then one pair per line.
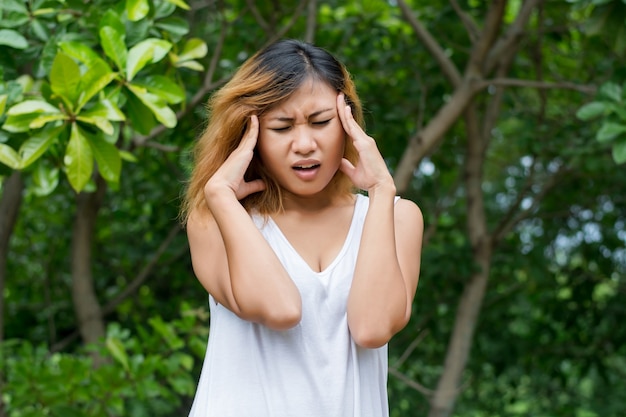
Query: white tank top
x,y
312,370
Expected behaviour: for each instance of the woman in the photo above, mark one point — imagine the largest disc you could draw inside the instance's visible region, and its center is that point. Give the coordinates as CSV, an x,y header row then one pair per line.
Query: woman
x,y
307,279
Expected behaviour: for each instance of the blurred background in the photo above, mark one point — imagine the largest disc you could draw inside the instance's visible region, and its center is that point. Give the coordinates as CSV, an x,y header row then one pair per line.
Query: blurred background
x,y
505,121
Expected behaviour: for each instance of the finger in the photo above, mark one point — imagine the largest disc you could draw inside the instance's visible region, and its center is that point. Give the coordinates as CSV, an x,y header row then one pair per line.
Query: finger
x,y
347,168
252,133
251,187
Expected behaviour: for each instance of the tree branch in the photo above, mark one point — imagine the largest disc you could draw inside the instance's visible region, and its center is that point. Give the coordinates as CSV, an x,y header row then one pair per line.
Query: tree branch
x,y
515,82
471,27
512,36
447,66
311,22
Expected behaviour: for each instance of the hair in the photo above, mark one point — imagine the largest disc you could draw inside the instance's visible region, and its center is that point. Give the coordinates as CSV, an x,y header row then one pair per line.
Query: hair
x,y
265,80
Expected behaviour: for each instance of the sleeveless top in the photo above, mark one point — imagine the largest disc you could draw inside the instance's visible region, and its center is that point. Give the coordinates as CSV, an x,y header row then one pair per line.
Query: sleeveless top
x,y
314,369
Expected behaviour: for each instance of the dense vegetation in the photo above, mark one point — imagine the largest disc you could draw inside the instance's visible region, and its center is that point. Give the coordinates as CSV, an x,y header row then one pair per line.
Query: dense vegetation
x,y
504,120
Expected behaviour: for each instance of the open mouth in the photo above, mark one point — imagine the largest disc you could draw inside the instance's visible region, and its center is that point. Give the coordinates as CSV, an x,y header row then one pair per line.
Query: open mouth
x,y
306,167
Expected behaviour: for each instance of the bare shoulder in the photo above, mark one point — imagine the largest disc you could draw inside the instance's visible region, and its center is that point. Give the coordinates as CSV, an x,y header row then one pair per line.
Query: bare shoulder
x,y
408,215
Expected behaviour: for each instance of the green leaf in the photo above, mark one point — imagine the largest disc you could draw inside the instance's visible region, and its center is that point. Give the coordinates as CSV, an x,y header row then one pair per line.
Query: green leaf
x,y
114,47
619,151
45,179
609,131
180,3
116,347
101,123
32,106
78,159
108,159
127,156
163,87
3,103
82,53
39,121
21,115
13,39
64,79
591,110
140,116
37,145
157,105
95,79
9,157
145,52
137,9
192,65
176,27
40,30
611,91
194,48
106,110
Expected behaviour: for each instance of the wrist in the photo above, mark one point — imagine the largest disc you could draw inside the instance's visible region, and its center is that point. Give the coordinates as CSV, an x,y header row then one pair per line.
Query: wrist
x,y
384,189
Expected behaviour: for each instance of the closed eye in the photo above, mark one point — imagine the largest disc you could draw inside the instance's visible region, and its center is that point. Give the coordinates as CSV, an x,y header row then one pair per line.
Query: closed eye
x,y
321,123
280,129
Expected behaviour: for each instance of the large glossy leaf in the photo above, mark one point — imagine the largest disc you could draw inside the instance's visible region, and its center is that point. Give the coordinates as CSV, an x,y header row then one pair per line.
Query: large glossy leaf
x,y
106,110
194,48
163,87
137,9
83,53
9,157
32,106
157,106
108,159
112,42
145,52
64,79
101,123
13,39
78,159
21,115
95,79
37,145
41,120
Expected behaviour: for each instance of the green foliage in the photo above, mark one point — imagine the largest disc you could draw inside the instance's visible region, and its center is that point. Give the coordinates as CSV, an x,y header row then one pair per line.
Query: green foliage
x,y
610,107
94,76
143,374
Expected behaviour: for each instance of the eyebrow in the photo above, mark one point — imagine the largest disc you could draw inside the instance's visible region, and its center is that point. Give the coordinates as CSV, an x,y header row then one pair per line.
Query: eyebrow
x,y
289,119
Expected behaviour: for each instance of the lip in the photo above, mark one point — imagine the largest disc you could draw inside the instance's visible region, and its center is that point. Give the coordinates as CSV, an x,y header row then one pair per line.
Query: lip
x,y
306,169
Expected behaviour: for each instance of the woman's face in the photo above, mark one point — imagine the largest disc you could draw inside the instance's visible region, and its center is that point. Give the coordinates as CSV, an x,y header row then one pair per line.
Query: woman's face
x,y
301,141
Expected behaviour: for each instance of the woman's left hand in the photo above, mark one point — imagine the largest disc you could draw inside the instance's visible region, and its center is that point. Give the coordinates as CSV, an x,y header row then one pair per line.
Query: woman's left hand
x,y
371,171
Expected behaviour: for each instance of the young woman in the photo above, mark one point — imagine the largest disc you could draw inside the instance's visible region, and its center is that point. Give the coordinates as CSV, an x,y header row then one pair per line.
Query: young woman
x,y
307,279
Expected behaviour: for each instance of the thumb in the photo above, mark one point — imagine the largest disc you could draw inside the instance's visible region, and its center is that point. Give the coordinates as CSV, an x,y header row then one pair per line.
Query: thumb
x,y
347,168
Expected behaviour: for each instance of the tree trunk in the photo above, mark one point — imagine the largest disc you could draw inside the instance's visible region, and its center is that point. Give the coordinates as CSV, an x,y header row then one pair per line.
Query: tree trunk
x,y
448,387
86,305
10,203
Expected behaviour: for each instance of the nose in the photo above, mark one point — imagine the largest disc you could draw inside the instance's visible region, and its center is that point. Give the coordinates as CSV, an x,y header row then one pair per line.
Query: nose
x,y
303,141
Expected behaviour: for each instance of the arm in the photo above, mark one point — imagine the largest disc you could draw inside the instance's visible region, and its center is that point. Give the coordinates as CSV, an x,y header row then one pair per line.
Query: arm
x,y
388,262
231,258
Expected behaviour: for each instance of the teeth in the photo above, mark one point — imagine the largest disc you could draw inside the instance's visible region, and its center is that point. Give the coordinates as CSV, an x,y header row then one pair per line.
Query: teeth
x,y
306,166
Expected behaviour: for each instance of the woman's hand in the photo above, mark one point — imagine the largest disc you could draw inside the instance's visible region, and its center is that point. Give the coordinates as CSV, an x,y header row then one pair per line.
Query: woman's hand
x,y
371,172
230,176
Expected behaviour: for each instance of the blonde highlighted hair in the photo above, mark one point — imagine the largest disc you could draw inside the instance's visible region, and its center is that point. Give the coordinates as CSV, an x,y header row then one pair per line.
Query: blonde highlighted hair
x,y
266,79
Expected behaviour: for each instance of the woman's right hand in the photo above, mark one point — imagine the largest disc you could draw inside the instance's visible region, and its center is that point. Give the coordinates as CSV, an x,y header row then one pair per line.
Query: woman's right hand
x,y
230,176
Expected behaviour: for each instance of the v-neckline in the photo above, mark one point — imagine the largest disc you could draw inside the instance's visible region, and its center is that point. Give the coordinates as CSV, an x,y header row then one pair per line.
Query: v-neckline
x,y
339,254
